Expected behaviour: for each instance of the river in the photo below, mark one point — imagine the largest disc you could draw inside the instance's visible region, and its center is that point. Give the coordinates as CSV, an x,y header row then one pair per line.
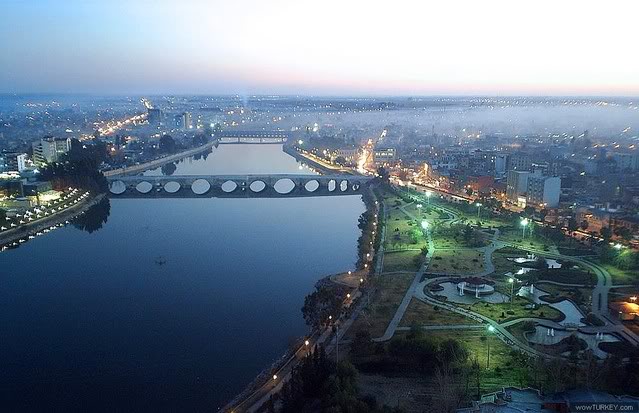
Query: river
x,y
167,304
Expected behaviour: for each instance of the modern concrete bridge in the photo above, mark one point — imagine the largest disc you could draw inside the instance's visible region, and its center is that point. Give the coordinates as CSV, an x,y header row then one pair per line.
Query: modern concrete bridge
x,y
236,186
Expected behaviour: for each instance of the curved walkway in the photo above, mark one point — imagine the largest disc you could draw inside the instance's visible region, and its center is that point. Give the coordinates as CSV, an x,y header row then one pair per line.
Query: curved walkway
x,y
599,296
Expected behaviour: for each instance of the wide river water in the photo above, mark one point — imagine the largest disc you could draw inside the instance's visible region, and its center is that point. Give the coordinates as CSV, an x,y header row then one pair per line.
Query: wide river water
x,y
171,304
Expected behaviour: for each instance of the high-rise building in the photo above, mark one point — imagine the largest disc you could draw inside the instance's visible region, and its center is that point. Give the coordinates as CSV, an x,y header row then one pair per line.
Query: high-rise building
x,y
50,149
543,191
384,155
501,163
186,120
626,161
520,162
516,184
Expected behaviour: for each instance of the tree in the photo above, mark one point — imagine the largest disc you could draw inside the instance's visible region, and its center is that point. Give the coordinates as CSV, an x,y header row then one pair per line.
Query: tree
x,y
572,225
606,234
623,232
168,168
96,216
324,302
584,225
384,176
167,144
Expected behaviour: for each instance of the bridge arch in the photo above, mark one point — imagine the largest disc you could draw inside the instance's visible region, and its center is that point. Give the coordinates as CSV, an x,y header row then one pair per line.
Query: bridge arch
x,y
200,186
172,187
229,186
284,186
312,185
257,186
144,187
117,187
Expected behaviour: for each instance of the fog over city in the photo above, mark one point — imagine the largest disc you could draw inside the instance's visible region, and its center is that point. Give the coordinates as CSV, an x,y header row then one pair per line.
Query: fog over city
x,y
319,206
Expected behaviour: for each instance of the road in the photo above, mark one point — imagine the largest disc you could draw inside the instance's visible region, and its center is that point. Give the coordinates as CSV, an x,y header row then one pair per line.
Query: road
x,y
155,163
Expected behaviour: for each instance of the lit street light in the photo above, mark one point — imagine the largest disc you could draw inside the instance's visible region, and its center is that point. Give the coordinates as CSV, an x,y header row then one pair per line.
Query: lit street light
x,y
491,329
524,223
425,225
478,208
428,195
511,280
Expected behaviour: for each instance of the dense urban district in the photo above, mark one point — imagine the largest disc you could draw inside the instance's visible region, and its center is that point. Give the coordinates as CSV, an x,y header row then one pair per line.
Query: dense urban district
x,y
498,263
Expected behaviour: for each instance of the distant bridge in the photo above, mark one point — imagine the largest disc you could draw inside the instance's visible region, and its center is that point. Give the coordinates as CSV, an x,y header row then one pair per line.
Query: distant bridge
x,y
236,186
253,137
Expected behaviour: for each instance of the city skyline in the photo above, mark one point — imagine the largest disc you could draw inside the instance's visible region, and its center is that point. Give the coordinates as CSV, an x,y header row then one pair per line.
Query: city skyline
x,y
327,48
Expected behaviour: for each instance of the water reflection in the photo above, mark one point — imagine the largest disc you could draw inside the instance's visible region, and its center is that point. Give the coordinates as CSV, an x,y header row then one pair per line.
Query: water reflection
x,y
168,169
94,217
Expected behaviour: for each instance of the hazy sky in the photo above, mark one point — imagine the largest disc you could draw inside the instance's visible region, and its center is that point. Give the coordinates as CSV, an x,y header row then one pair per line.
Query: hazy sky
x,y
320,46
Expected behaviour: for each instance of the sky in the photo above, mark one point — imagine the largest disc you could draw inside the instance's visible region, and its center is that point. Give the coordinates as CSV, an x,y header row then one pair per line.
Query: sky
x,y
320,47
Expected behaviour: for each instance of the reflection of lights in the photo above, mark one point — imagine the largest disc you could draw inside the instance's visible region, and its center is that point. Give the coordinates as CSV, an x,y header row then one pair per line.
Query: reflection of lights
x,y
618,246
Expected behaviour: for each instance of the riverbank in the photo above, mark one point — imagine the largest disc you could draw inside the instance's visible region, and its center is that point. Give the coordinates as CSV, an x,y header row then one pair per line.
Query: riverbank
x,y
322,167
156,163
271,380
24,231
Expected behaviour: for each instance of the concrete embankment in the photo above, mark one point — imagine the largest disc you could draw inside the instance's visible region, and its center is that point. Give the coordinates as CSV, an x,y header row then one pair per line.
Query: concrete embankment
x,y
13,235
323,169
156,163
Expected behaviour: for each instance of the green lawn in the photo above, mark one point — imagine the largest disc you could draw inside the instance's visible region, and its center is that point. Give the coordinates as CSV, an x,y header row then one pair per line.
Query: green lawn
x,y
504,369
402,261
457,262
505,311
620,276
390,290
420,313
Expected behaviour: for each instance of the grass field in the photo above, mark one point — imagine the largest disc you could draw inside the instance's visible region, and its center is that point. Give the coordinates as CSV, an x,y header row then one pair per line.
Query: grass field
x,y
402,261
402,232
505,311
390,289
621,276
424,314
503,370
457,262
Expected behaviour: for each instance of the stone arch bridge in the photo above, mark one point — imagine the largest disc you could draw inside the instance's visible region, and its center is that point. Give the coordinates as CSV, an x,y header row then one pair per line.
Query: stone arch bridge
x,y
236,186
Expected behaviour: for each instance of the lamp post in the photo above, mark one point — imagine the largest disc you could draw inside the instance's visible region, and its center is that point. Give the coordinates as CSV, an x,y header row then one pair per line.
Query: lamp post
x,y
478,208
511,280
428,195
524,223
491,329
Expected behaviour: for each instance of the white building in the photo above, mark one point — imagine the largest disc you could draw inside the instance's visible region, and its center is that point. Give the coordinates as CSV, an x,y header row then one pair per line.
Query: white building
x,y
50,149
543,191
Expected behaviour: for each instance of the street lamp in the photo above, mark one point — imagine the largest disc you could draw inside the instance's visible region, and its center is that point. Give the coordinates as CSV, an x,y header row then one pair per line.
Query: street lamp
x,y
524,223
428,195
425,225
491,329
511,280
478,208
